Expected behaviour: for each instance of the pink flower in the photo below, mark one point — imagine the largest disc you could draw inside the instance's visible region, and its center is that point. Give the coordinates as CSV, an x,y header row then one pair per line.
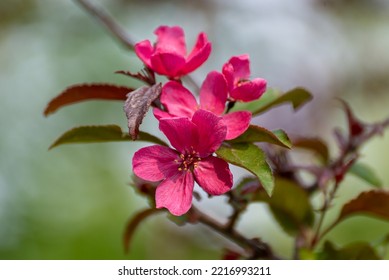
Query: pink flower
x,y
194,141
237,73
180,102
168,56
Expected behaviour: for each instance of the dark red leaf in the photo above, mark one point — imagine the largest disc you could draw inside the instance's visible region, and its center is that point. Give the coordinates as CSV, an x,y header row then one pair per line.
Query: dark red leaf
x,y
83,92
356,127
314,144
137,104
375,202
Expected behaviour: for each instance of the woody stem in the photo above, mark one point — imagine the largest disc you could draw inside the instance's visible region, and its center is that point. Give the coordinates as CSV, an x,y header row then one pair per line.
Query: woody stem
x,y
257,248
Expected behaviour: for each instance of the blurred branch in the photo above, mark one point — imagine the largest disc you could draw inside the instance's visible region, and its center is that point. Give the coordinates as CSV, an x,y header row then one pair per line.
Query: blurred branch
x,y
257,248
105,19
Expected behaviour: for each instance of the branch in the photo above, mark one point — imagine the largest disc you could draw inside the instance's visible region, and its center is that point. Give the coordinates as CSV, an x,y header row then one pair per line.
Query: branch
x,y
106,20
258,249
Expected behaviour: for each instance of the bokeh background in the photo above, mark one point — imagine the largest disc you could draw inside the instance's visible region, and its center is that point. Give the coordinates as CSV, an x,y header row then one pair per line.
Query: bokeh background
x,y
73,202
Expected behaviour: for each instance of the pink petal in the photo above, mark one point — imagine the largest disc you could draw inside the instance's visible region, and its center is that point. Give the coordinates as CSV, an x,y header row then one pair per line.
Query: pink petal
x,y
213,93
250,90
155,163
237,123
159,114
170,40
144,50
168,64
181,132
213,175
241,65
211,130
198,55
177,100
228,72
175,193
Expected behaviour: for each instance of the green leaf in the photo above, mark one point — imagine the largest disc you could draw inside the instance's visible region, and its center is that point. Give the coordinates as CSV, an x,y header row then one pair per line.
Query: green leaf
x,y
269,96
82,92
133,224
99,134
250,157
272,98
290,205
365,173
314,144
260,134
353,251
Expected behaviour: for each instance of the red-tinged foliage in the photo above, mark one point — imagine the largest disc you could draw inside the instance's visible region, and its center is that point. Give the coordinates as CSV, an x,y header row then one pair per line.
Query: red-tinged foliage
x,y
82,92
375,203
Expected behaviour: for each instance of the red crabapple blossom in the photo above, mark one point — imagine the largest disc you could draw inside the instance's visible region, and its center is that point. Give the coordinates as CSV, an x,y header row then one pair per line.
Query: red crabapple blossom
x,y
194,141
237,73
169,55
180,102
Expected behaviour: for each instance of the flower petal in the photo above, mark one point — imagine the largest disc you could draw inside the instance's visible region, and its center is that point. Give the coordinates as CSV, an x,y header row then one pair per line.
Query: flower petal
x,y
213,175
237,123
170,40
168,64
159,114
175,193
144,50
250,90
198,55
213,93
241,65
181,132
155,163
228,72
177,100
211,130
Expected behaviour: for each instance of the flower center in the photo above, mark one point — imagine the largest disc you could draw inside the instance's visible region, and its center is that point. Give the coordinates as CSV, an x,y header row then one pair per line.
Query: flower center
x,y
242,82
188,160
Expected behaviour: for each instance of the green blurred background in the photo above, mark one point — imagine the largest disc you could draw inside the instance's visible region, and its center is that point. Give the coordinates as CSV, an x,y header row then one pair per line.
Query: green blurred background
x,y
73,202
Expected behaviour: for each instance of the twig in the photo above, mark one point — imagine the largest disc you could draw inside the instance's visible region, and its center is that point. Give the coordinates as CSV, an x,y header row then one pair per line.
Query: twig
x,y
108,22
257,248
237,210
327,203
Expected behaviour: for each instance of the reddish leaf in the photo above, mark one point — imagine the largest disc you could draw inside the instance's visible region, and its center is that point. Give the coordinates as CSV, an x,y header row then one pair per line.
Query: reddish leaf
x,y
83,92
356,127
137,104
314,144
375,202
133,224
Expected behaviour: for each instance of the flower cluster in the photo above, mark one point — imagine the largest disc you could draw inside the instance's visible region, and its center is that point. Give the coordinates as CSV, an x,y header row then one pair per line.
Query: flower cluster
x,y
195,129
